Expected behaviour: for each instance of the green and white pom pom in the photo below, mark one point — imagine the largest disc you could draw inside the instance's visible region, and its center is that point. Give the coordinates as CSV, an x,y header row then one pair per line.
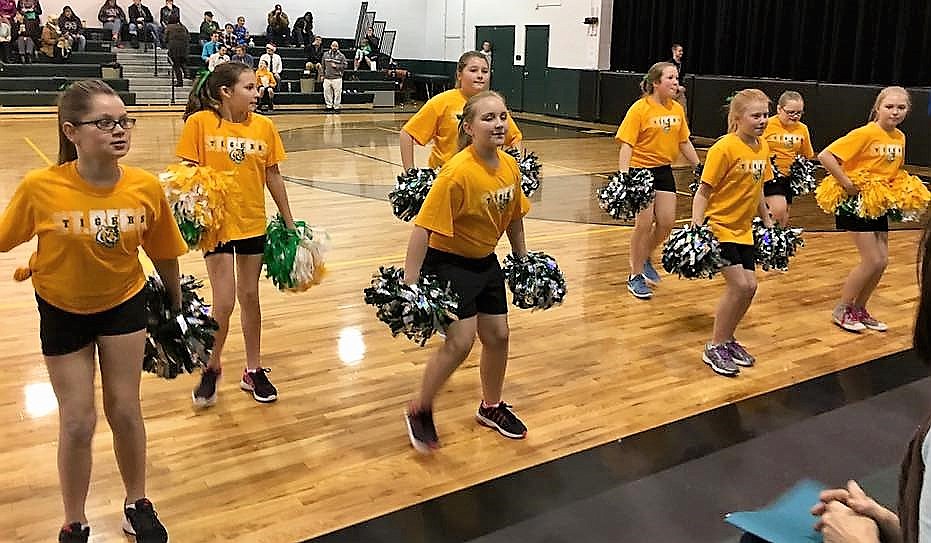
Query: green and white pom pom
x,y
692,252
530,167
294,259
776,245
177,342
410,190
627,193
417,311
535,280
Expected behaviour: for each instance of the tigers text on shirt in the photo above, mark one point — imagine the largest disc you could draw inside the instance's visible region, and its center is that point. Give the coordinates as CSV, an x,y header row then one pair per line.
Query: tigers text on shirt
x,y
654,131
787,143
871,149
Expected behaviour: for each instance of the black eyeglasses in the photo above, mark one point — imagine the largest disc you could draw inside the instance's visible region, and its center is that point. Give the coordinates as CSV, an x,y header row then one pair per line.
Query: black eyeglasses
x,y
791,113
107,125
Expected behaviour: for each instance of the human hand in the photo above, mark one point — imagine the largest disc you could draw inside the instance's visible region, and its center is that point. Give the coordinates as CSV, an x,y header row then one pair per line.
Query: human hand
x,y
850,188
841,524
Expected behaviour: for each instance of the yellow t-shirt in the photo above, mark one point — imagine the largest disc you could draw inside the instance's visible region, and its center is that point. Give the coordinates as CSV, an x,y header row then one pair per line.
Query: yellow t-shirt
x,y
736,172
654,131
471,205
89,237
872,149
438,120
246,149
786,143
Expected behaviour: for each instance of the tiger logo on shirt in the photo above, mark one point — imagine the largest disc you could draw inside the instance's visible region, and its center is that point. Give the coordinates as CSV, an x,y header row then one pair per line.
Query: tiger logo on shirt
x,y
754,167
236,148
788,141
890,151
107,226
665,122
500,198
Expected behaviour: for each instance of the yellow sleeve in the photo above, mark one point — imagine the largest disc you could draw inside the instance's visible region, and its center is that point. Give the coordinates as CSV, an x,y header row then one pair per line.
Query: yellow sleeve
x,y
276,154
768,174
162,239
848,146
191,145
442,205
17,224
514,135
807,150
716,164
423,125
629,130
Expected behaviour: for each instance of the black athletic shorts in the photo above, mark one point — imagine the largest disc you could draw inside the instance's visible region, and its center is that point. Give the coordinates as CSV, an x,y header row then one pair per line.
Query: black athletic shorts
x,y
63,332
663,179
856,224
738,254
248,246
778,187
478,281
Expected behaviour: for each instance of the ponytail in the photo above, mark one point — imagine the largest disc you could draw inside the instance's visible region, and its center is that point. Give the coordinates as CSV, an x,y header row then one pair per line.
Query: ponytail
x,y
206,91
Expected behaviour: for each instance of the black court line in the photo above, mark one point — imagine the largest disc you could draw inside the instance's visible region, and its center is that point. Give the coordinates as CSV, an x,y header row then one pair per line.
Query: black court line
x,y
357,153
537,494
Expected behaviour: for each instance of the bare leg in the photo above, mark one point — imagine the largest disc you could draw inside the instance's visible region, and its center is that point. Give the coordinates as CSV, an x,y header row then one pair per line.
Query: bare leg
x,y
741,287
223,287
459,339
493,332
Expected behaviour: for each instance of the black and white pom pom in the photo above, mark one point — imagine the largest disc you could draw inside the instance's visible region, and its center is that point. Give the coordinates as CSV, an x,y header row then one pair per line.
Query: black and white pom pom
x,y
627,193
776,245
177,342
802,176
696,178
417,311
535,280
530,167
410,191
692,252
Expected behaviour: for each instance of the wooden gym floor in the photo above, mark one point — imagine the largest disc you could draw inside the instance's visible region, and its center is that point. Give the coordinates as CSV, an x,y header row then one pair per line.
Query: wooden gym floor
x,y
333,450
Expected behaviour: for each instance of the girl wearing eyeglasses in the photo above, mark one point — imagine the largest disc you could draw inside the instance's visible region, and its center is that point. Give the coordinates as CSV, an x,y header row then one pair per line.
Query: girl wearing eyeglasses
x,y
91,215
221,131
787,137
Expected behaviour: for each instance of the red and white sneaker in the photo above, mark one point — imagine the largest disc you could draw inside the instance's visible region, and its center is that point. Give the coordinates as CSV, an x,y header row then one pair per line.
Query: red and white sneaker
x,y
867,320
848,318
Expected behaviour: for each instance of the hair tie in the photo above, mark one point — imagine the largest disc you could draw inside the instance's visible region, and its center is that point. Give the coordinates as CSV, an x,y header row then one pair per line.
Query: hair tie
x,y
202,76
730,98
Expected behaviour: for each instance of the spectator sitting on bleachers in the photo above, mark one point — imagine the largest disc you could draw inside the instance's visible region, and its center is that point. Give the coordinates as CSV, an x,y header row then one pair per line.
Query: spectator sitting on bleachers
x,y
49,45
273,60
207,27
303,33
279,27
177,39
242,56
315,58
220,57
228,38
113,18
31,9
242,33
140,18
71,27
210,47
6,36
25,45
267,82
368,50
8,10
165,14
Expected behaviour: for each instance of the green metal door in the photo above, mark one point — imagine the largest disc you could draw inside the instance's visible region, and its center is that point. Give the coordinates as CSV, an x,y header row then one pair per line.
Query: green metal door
x,y
536,58
506,78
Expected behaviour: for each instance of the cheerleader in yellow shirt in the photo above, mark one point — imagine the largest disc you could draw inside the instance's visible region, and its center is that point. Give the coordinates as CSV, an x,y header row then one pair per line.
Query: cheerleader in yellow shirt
x,y
438,119
476,198
91,215
221,131
730,195
877,148
653,133
787,137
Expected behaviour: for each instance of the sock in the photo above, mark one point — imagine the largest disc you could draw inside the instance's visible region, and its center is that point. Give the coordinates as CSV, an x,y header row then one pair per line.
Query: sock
x,y
490,406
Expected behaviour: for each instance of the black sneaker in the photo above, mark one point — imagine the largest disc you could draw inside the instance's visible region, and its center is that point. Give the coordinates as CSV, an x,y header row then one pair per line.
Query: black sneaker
x,y
502,419
258,384
421,431
142,522
205,394
74,533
